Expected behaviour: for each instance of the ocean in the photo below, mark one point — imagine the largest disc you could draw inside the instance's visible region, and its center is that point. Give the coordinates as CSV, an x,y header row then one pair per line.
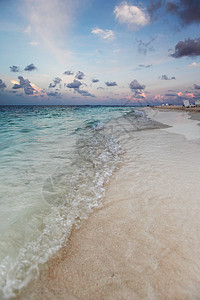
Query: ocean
x,y
56,163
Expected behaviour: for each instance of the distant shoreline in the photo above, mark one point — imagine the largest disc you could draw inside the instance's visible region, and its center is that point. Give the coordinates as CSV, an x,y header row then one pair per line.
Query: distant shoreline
x,y
178,107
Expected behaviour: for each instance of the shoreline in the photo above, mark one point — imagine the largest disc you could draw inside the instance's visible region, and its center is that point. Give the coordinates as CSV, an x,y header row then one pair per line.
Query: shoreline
x,y
139,244
194,112
178,108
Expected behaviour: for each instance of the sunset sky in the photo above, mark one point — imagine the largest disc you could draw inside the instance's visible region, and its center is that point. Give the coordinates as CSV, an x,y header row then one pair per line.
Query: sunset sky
x,y
99,51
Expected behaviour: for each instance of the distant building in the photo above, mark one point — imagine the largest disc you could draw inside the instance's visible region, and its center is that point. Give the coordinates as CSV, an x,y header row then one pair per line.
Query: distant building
x,y
186,103
197,102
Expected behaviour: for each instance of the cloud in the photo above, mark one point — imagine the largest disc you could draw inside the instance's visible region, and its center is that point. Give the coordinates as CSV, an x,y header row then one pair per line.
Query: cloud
x,y
25,83
131,15
68,73
84,93
14,69
74,85
194,65
153,7
80,75
30,67
135,85
53,94
27,29
170,95
111,83
196,87
188,48
56,81
137,89
159,98
104,34
145,66
2,84
16,86
165,77
34,43
95,80
143,48
187,10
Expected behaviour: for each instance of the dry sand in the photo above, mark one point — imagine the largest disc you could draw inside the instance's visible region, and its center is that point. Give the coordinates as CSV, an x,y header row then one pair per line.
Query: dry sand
x,y
144,242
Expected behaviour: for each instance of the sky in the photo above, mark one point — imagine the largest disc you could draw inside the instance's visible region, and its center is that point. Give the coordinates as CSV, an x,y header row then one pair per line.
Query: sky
x,y
109,52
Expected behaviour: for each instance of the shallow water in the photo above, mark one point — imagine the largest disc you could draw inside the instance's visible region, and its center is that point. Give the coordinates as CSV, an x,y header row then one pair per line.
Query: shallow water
x,y
55,162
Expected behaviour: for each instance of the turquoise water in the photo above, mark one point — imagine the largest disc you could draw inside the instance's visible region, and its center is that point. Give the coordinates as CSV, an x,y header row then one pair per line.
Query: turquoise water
x,y
55,162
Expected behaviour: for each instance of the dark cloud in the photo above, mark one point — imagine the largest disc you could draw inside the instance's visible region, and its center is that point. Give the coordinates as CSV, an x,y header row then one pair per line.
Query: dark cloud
x,y
56,81
25,84
172,7
110,83
30,67
197,87
170,95
53,94
14,69
95,80
143,47
74,85
80,75
16,86
135,85
68,73
137,88
2,84
145,66
187,10
188,47
165,77
84,93
153,7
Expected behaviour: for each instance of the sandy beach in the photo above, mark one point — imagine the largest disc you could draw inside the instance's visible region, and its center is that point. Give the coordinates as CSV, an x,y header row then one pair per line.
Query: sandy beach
x,y
179,107
194,112
143,243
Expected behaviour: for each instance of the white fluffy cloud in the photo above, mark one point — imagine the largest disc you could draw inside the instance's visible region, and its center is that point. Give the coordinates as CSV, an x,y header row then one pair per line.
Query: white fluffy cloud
x,y
131,15
104,34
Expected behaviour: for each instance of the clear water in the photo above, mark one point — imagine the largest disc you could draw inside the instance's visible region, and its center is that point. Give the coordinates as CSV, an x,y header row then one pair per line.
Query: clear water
x,y
55,162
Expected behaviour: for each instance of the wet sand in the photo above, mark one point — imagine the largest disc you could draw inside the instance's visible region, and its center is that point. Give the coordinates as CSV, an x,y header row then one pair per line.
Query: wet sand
x,y
144,242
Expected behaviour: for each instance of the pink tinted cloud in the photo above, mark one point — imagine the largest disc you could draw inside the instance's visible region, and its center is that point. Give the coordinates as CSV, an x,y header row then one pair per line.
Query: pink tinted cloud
x,y
159,98
180,94
189,95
